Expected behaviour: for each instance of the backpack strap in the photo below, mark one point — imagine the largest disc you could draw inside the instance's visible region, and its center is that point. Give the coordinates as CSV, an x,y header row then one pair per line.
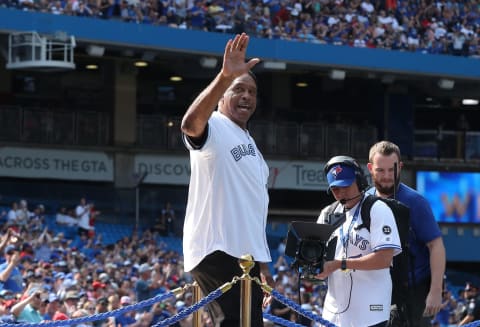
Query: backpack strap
x,y
365,212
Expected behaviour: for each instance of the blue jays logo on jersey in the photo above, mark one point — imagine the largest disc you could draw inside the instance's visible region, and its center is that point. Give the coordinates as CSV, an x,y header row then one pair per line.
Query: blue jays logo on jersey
x,y
243,150
386,230
359,241
336,170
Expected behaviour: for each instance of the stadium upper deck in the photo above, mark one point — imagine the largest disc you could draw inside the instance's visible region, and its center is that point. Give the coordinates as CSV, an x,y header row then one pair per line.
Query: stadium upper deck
x,y
409,80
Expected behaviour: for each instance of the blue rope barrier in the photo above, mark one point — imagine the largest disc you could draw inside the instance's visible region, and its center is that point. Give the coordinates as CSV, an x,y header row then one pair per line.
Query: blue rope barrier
x,y
99,316
298,309
186,312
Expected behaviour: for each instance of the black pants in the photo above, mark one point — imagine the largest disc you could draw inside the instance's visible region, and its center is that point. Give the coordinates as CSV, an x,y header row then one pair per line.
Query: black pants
x,y
215,270
413,309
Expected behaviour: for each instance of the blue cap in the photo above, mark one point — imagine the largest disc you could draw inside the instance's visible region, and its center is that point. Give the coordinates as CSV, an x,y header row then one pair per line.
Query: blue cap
x,y
59,275
52,297
10,248
341,175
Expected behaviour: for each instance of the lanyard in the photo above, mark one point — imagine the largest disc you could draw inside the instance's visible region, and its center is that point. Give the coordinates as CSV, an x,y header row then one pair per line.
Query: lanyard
x,y
344,238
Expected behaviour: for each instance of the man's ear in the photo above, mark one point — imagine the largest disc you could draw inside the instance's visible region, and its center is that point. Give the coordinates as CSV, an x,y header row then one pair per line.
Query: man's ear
x,y
220,103
369,166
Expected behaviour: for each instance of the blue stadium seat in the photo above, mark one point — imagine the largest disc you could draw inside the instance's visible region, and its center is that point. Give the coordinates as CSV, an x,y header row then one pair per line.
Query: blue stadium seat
x,y
112,233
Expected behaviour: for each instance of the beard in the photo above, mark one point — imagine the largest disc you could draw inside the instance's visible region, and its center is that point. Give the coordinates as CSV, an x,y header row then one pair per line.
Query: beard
x,y
388,190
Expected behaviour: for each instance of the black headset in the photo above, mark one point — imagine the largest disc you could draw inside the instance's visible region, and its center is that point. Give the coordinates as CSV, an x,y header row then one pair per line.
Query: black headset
x,y
360,177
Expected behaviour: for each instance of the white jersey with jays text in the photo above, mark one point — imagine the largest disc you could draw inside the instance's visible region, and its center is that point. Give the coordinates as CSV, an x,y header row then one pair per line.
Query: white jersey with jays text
x,y
361,297
228,196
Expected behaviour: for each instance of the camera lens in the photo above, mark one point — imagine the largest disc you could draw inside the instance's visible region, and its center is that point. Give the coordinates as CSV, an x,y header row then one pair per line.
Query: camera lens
x,y
312,251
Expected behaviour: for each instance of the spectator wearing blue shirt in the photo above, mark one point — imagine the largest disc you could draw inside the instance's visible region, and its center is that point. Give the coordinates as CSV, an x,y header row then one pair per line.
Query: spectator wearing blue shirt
x,y
52,305
125,319
197,16
448,306
145,285
10,275
159,313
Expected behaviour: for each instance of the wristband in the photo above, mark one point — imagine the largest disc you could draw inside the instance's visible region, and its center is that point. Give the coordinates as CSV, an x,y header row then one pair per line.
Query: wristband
x,y
343,265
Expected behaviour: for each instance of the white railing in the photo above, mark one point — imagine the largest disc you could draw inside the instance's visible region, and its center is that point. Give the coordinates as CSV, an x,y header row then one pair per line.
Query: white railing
x,y
29,50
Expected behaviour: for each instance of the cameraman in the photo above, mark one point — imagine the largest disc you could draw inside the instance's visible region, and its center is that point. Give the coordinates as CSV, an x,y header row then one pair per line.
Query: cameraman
x,y
359,283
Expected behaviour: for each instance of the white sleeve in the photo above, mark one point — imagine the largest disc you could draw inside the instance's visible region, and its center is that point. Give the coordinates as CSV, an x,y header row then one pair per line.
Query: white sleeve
x,y
322,217
79,210
383,229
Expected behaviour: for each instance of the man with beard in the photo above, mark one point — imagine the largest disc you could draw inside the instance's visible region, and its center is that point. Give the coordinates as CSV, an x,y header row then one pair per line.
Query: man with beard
x,y
425,239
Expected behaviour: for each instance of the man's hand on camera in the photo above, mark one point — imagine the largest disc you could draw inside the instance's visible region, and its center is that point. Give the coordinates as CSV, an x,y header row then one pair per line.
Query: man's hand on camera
x,y
328,268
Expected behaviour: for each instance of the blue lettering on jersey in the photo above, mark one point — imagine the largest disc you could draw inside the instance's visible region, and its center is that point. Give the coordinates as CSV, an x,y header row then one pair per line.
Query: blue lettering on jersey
x,y
242,150
359,242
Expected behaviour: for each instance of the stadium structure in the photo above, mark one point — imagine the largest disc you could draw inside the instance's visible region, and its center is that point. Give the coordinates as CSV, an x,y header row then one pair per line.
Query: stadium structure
x,y
92,106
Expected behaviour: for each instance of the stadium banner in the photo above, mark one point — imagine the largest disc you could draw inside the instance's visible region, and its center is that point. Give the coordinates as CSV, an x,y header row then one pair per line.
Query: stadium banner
x,y
300,175
163,169
294,175
55,164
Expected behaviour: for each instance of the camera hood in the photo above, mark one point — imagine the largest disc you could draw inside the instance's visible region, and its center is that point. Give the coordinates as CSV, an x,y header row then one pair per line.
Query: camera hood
x,y
302,230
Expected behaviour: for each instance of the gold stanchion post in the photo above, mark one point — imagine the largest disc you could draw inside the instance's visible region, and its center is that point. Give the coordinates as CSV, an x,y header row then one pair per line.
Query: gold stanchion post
x,y
246,263
197,296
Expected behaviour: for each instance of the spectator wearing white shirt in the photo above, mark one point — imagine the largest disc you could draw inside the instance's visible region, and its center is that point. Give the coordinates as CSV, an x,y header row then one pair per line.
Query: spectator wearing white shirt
x,y
350,15
379,30
395,25
440,30
467,30
332,20
359,43
367,6
12,214
82,212
56,8
384,19
63,218
27,4
458,42
23,215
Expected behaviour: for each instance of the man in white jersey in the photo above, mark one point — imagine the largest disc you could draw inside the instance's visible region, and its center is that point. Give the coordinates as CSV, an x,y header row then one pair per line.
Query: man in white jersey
x,y
359,283
227,204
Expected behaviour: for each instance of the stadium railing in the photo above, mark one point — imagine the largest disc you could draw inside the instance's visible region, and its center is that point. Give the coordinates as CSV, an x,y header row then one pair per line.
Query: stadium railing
x,y
282,138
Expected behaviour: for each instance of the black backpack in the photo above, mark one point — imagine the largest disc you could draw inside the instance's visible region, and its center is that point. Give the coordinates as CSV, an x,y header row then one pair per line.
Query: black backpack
x,y
401,262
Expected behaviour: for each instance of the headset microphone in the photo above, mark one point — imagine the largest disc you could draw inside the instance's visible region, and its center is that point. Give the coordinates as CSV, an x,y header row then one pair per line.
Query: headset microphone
x,y
344,201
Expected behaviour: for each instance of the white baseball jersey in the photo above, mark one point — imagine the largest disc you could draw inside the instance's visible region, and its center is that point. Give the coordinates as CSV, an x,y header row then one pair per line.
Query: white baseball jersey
x,y
361,297
228,196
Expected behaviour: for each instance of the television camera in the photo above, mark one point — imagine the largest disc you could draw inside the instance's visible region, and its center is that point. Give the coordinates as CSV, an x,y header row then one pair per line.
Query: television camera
x,y
311,244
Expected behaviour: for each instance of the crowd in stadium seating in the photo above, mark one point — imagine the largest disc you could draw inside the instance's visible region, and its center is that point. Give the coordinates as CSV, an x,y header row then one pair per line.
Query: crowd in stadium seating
x,y
46,276
430,26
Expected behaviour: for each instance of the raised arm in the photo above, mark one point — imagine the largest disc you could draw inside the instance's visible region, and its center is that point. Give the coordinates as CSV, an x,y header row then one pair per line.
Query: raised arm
x,y
195,119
